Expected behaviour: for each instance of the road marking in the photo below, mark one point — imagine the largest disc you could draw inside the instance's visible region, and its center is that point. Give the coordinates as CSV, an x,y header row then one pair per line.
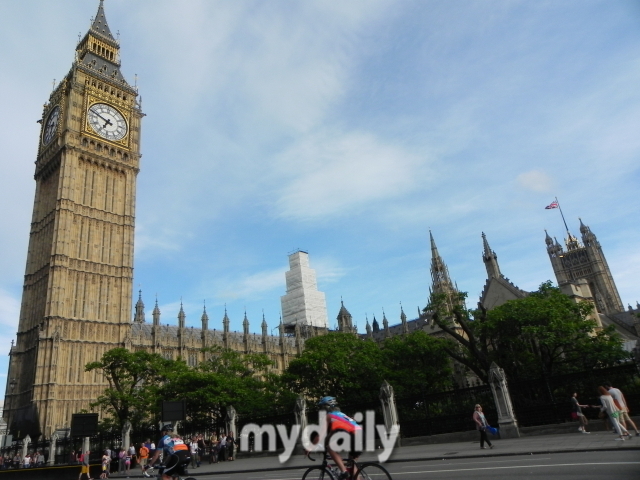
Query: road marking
x,y
515,466
297,477
486,461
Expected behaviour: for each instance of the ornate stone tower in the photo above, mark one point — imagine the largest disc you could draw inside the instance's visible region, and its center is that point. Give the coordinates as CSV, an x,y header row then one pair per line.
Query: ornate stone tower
x,y
441,281
345,320
76,299
585,261
490,259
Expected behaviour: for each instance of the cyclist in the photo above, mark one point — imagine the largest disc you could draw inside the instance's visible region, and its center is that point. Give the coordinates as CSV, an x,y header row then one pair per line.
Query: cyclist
x,y
175,454
339,422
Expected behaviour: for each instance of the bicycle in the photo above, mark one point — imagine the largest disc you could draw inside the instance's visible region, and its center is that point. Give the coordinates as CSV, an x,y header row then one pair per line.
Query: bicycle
x,y
363,471
149,472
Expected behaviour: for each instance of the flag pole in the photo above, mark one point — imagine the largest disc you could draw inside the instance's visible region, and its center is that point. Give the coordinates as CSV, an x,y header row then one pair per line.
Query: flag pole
x,y
562,215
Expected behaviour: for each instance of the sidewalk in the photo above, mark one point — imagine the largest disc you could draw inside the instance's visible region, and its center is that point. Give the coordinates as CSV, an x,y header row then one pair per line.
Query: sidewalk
x,y
541,444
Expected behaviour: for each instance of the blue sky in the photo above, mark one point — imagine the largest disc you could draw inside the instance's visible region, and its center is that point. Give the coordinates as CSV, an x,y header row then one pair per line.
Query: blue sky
x,y
346,129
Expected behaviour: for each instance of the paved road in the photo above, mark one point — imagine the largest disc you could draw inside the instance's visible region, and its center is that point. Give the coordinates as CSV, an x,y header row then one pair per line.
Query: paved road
x,y
618,465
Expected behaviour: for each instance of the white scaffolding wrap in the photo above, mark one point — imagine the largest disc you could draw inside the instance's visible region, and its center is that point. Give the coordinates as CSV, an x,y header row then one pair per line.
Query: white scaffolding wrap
x,y
303,303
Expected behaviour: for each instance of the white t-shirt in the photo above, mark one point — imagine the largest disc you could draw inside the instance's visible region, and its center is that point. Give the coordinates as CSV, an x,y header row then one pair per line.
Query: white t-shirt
x,y
617,394
607,404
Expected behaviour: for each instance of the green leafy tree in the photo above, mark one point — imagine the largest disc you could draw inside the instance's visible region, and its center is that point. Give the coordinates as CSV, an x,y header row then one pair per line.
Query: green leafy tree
x,y
228,362
226,378
545,333
353,369
466,345
140,381
337,364
134,379
417,363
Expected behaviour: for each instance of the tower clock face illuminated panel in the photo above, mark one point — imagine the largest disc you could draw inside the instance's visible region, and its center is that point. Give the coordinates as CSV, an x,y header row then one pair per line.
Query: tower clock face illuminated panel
x,y
51,125
107,122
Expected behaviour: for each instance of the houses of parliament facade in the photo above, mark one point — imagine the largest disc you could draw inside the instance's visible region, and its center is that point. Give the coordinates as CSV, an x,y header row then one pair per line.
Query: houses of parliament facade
x,y
78,283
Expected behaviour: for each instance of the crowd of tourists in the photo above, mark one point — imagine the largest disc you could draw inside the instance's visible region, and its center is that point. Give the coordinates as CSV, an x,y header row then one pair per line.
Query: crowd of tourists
x,y
220,447
30,460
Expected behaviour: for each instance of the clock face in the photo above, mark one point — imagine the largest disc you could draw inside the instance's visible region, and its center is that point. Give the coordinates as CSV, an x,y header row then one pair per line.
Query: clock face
x,y
107,122
51,125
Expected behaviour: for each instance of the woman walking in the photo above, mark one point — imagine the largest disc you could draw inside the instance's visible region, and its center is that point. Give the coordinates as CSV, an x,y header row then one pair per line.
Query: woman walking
x,y
612,411
481,426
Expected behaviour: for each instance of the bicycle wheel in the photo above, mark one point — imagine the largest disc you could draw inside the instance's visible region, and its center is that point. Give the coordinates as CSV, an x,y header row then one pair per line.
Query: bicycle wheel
x,y
372,471
318,473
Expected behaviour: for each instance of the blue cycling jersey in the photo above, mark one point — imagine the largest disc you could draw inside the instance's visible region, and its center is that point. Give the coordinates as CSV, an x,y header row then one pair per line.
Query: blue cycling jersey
x,y
166,445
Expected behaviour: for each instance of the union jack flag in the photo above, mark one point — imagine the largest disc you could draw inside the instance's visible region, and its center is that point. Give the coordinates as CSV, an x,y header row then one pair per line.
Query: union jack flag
x,y
553,204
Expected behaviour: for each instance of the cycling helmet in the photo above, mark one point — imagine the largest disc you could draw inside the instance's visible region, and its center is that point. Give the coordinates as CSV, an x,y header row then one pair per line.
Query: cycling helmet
x,y
329,402
167,428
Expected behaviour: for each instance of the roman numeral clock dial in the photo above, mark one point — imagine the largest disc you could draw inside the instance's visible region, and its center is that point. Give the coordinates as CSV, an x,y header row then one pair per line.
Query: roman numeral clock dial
x,y
51,125
107,122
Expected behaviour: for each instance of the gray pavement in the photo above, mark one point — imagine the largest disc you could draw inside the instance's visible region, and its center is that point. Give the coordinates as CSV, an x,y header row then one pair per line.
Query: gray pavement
x,y
540,444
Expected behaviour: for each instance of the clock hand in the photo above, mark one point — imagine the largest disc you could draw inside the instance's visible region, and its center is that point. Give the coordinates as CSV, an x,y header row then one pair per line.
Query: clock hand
x,y
106,120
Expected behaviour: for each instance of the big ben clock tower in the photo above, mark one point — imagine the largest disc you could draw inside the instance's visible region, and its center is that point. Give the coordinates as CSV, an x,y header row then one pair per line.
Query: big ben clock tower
x,y
76,299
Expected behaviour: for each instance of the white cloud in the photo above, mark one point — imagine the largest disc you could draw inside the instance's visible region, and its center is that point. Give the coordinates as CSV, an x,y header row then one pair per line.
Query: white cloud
x,y
250,286
536,181
335,174
148,243
328,270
